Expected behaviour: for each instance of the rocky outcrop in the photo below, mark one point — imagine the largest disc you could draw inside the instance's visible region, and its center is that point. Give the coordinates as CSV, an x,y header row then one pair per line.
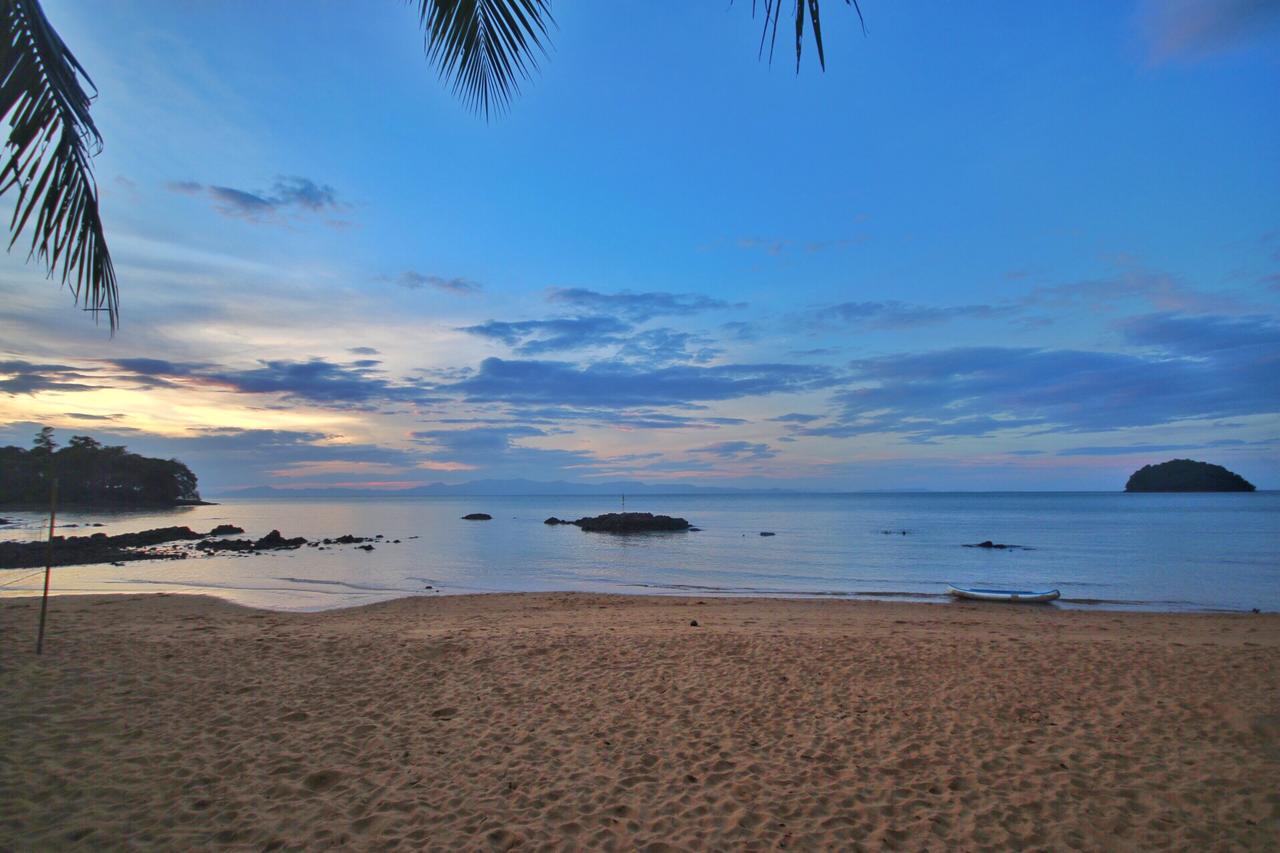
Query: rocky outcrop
x,y
1186,475
126,547
273,541
98,548
631,522
477,516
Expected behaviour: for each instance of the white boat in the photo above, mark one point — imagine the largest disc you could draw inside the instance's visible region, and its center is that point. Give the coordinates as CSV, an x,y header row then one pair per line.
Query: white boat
x,y
1018,595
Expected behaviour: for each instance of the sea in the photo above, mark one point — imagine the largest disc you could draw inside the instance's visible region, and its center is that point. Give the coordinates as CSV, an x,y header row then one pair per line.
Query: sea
x,y
1156,552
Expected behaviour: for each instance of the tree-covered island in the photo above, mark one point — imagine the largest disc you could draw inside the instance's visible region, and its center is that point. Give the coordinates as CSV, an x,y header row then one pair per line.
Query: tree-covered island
x,y
1186,475
90,473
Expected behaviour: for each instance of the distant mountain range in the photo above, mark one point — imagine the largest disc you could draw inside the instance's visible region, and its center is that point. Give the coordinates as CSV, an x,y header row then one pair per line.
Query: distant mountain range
x,y
500,487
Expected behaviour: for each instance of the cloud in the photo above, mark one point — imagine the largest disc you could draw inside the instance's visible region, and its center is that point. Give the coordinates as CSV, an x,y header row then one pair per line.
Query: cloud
x,y
776,247
475,439
1197,29
898,315
25,377
316,380
637,307
413,280
1204,367
534,337
614,385
289,194
1204,336
652,347
737,450
1126,450
155,366
560,416
1159,291
185,187
497,451
797,418
656,347
363,351
741,331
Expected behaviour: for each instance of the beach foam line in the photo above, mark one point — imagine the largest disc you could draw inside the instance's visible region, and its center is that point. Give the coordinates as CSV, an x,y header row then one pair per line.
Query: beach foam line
x,y
346,584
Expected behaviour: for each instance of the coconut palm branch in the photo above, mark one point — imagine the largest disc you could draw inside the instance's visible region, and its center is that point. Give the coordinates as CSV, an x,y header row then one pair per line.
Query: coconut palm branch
x,y
484,48
48,156
801,9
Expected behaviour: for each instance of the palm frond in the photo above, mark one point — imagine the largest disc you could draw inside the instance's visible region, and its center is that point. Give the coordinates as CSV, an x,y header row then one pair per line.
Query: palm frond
x,y
773,12
485,47
50,134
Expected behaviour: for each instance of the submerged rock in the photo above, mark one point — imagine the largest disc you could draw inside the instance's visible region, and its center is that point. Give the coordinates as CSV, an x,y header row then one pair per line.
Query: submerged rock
x,y
213,545
767,533
999,546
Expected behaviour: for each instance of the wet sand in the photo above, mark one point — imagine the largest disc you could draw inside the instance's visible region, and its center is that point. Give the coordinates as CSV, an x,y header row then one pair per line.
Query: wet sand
x,y
535,720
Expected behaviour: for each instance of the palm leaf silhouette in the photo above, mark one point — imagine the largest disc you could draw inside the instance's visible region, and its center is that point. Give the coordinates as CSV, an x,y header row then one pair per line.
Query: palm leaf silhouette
x,y
485,47
50,133
773,12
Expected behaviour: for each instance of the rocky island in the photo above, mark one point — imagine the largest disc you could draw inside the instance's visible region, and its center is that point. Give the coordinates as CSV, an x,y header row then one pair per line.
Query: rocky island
x,y
626,522
1186,475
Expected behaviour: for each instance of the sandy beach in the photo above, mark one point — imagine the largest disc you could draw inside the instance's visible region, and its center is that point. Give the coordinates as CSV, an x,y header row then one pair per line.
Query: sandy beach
x,y
575,720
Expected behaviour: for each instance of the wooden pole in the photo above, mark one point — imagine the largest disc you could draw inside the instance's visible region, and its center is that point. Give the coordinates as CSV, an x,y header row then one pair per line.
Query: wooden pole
x,y
48,564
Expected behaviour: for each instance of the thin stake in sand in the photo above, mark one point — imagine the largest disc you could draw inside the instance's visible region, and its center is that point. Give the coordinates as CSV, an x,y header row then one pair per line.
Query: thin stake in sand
x,y
48,563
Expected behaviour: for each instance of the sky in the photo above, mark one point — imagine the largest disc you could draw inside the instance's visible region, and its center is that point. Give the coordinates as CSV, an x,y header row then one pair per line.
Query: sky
x,y
1022,246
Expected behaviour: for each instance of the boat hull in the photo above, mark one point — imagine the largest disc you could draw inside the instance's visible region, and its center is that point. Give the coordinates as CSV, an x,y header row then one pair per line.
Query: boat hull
x,y
1012,596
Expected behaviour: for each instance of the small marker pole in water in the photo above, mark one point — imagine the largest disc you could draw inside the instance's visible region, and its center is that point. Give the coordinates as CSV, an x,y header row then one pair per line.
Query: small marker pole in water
x,y
48,564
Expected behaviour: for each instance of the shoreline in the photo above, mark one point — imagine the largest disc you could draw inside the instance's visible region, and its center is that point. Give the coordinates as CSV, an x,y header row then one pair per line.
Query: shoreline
x,y
923,599
535,718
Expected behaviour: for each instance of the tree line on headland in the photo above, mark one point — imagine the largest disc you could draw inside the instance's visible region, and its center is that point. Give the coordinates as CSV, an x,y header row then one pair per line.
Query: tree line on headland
x,y
91,473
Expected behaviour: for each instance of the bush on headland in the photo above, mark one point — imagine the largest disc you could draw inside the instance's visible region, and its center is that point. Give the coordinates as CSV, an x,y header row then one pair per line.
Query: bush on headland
x,y
91,473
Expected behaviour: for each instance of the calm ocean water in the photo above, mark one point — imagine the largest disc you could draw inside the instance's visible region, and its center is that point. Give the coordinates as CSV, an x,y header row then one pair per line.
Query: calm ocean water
x,y
1153,552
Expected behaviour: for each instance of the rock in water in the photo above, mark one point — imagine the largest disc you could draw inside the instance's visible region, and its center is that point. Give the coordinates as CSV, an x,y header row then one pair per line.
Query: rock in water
x,y
477,516
631,522
767,533
1186,475
225,529
274,541
554,521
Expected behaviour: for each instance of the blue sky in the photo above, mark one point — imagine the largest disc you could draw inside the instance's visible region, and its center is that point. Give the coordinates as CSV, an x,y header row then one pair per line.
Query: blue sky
x,y
1027,246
